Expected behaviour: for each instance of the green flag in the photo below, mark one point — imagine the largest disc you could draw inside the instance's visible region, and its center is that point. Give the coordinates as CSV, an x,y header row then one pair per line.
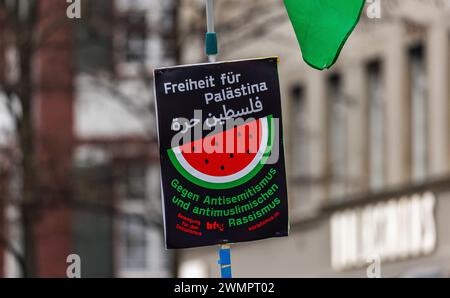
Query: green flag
x,y
322,27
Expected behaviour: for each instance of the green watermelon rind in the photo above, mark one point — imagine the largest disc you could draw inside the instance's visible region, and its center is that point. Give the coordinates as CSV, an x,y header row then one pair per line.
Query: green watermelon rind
x,y
232,184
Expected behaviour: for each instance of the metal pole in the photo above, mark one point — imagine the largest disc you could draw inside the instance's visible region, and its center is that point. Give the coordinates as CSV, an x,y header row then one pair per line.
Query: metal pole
x,y
210,15
211,36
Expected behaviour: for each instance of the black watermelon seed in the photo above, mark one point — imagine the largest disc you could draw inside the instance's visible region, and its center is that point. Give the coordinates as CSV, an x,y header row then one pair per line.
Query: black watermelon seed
x,y
231,155
222,168
248,151
206,161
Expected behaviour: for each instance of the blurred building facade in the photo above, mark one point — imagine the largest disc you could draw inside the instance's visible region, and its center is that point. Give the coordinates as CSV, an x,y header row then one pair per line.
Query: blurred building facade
x,y
95,115
368,148
116,130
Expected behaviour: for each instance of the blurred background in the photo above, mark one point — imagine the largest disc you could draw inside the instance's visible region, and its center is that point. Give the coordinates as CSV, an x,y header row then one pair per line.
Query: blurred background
x,y
367,142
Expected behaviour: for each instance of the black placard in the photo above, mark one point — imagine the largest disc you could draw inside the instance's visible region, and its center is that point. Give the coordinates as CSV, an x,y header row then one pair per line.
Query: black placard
x,y
214,192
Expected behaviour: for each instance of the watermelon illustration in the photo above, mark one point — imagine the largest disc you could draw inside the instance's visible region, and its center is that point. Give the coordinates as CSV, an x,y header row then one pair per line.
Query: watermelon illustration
x,y
226,159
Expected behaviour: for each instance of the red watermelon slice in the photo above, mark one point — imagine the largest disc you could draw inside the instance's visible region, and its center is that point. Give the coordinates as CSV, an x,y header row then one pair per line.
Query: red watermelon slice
x,y
227,159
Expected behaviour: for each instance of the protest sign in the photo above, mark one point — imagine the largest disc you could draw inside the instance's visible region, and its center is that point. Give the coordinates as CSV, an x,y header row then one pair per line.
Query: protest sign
x,y
221,151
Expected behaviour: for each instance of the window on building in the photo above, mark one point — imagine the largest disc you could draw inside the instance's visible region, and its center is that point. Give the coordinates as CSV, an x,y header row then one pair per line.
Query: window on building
x,y
134,245
135,47
93,236
135,182
299,149
170,47
448,98
141,245
419,112
94,37
376,125
299,132
337,136
154,185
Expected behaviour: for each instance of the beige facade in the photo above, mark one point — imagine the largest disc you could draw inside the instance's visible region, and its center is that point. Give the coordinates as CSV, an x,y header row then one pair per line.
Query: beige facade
x,y
374,128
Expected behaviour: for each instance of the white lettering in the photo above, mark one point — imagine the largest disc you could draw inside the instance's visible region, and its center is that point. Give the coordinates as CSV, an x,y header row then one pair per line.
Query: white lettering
x,y
74,9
